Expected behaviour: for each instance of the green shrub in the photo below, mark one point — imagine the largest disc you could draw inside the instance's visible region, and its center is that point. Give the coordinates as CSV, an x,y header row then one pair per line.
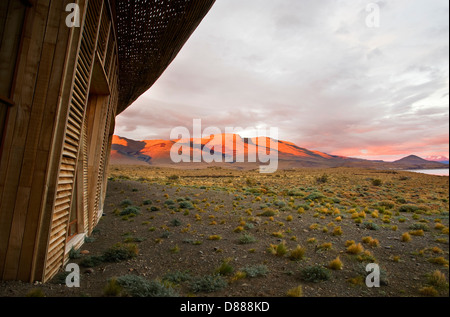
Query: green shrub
x,y
304,206
336,200
165,234
120,252
315,274
130,210
315,196
74,254
294,192
147,202
247,239
91,261
387,203
322,179
154,208
186,205
177,277
208,284
125,203
176,223
419,226
137,286
370,226
409,208
89,239
377,182
255,270
279,203
169,202
60,278
131,239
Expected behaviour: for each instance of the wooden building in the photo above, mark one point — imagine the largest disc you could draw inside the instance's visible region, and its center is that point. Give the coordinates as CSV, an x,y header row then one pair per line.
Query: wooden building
x,y
61,87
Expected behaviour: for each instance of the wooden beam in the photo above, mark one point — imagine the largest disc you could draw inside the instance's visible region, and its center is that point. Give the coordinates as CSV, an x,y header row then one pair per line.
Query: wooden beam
x,y
15,143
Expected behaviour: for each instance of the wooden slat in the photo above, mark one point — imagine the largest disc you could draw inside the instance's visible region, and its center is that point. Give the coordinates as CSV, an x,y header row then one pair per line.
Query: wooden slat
x,y
75,118
64,193
56,244
62,212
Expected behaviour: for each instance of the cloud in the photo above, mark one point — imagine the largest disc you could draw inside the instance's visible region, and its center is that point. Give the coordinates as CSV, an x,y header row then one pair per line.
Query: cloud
x,y
314,70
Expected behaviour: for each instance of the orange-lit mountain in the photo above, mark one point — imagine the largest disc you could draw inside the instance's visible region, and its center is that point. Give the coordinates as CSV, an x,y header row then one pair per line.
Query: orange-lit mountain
x,y
157,152
230,146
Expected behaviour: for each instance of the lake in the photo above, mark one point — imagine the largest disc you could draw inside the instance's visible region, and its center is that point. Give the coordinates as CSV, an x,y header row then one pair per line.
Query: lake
x,y
440,172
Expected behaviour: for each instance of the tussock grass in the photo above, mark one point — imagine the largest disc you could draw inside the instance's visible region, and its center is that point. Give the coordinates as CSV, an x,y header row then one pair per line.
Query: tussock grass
x,y
297,254
406,237
438,280
428,291
295,292
355,249
336,264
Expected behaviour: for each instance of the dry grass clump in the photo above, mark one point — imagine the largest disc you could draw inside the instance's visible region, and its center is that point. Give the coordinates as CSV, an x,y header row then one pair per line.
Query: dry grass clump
x,y
112,288
325,246
278,250
429,291
295,292
406,237
439,260
355,249
358,280
439,226
297,254
336,264
371,242
239,275
417,233
337,231
438,280
349,243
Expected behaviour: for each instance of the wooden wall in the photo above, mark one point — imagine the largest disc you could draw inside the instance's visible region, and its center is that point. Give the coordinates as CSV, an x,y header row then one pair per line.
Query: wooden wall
x,y
28,134
65,99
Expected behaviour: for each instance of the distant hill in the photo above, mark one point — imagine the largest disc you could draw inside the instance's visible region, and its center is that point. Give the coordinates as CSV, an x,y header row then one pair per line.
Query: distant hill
x,y
415,162
412,159
157,153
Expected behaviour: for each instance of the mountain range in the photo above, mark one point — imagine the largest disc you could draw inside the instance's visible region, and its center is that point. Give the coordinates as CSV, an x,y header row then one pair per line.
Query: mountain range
x,y
438,158
157,153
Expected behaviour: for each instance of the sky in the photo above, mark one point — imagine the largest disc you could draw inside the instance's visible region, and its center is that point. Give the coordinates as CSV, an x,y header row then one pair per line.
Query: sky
x,y
320,71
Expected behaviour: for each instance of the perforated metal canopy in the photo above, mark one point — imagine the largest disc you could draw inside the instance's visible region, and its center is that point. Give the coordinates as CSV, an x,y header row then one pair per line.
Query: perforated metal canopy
x,y
150,34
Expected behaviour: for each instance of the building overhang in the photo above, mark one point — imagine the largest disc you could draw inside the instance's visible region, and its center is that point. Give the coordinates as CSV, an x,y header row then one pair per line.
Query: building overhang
x,y
150,34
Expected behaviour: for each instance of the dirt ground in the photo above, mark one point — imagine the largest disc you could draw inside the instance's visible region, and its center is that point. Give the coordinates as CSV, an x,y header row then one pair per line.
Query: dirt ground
x,y
250,215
